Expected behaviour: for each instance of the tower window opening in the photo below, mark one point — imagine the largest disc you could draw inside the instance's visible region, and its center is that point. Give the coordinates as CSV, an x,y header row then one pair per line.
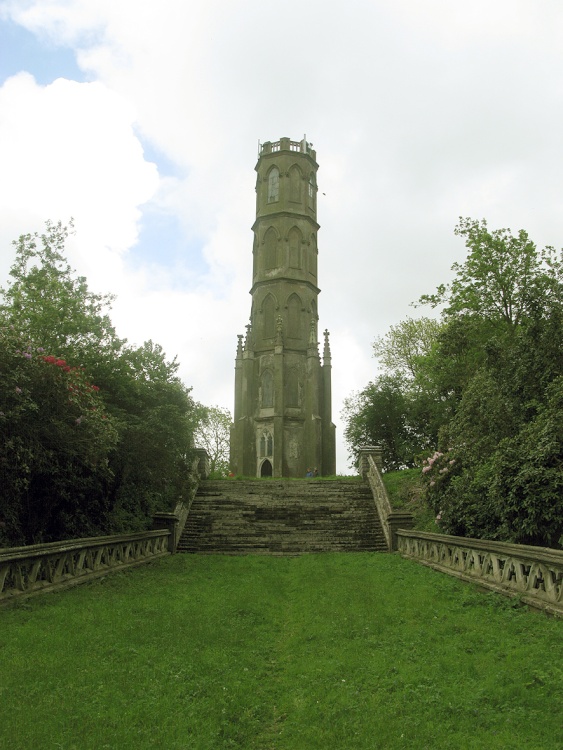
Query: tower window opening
x,y
273,185
266,445
267,389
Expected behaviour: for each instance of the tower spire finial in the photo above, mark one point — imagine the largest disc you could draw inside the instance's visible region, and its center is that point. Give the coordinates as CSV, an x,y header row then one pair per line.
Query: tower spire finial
x,y
326,350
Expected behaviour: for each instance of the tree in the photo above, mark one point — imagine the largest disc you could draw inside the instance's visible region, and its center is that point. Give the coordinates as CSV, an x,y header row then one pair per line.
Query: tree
x,y
56,439
213,434
405,346
398,409
387,414
96,434
49,304
496,361
503,278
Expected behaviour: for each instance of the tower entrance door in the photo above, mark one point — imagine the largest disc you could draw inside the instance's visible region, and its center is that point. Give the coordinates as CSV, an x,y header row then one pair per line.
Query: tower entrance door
x,y
266,469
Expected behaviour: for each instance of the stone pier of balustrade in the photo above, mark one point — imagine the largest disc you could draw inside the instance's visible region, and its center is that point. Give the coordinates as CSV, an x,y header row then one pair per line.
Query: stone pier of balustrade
x,y
366,452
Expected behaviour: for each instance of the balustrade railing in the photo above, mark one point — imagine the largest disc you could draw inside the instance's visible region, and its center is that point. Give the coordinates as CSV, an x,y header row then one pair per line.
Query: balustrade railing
x,y
25,571
535,574
391,520
29,570
270,147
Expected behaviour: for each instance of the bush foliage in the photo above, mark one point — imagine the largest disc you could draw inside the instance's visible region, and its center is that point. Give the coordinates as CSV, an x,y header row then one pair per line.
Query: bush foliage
x,y
95,434
477,397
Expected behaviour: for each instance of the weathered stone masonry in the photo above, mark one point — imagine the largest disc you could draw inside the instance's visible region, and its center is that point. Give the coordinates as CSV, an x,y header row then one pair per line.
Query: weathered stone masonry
x,y
282,418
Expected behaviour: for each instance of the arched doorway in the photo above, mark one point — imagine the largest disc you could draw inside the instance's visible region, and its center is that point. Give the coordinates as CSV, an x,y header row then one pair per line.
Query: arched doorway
x,y
266,469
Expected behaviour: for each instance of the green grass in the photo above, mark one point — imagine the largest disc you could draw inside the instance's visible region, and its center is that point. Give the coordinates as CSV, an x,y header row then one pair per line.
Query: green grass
x,y
405,491
321,651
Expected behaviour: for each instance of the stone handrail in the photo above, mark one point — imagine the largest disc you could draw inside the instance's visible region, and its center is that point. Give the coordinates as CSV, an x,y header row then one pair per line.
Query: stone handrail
x,y
535,574
37,568
176,520
391,520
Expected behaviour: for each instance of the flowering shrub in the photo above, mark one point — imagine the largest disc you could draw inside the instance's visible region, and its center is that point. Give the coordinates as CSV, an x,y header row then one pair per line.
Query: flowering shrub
x,y
56,437
83,449
438,471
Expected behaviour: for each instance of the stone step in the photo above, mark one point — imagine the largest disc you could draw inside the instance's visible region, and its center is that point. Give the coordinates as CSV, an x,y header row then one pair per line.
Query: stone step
x,y
282,517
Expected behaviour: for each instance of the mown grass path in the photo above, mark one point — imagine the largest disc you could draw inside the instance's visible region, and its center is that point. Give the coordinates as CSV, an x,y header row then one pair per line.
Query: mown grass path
x,y
326,651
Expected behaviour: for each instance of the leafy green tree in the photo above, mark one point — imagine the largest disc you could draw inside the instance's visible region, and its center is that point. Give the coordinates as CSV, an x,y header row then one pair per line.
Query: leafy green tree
x,y
384,413
213,434
76,467
157,418
56,438
503,277
527,477
495,361
398,410
49,304
404,347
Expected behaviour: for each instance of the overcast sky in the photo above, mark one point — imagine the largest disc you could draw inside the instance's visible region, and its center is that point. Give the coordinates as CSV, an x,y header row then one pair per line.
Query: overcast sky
x,y
142,120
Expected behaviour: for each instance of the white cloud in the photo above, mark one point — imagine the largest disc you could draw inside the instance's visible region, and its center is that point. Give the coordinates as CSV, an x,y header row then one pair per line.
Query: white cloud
x,y
69,149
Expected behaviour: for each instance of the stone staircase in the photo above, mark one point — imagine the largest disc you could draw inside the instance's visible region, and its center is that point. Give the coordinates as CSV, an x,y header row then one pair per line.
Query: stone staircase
x,y
282,517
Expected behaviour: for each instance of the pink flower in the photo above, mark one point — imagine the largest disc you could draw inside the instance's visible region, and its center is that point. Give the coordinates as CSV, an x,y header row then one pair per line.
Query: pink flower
x,y
426,469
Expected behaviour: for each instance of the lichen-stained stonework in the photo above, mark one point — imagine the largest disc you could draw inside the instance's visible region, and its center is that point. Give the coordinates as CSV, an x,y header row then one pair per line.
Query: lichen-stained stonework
x,y
282,419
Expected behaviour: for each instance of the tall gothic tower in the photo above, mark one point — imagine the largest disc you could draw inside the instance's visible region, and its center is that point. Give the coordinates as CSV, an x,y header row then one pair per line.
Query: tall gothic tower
x,y
282,418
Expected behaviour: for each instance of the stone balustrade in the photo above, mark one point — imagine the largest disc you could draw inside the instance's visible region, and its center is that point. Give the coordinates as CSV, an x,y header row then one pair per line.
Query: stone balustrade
x,y
391,520
535,574
37,568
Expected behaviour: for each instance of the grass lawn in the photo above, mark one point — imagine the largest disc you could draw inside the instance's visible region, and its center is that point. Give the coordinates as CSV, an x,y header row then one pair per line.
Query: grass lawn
x,y
359,651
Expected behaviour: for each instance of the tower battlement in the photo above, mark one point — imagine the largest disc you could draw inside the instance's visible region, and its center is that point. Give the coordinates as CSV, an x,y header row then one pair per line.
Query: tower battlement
x,y
286,144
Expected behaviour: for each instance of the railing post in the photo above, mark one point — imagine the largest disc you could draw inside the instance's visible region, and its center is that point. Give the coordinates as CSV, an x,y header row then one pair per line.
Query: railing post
x,y
398,520
170,521
364,453
202,462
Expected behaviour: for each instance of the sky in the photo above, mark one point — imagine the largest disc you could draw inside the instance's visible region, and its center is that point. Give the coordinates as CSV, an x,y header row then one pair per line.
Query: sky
x,y
142,122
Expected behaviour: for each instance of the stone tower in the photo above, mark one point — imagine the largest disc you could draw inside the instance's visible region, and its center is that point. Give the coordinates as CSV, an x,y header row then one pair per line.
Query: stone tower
x,y
282,417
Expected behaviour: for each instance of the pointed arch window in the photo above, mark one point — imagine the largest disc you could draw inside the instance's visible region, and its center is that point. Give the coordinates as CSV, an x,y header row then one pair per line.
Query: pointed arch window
x,y
313,255
294,309
294,248
273,185
267,389
295,184
268,311
292,388
266,444
312,189
270,249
